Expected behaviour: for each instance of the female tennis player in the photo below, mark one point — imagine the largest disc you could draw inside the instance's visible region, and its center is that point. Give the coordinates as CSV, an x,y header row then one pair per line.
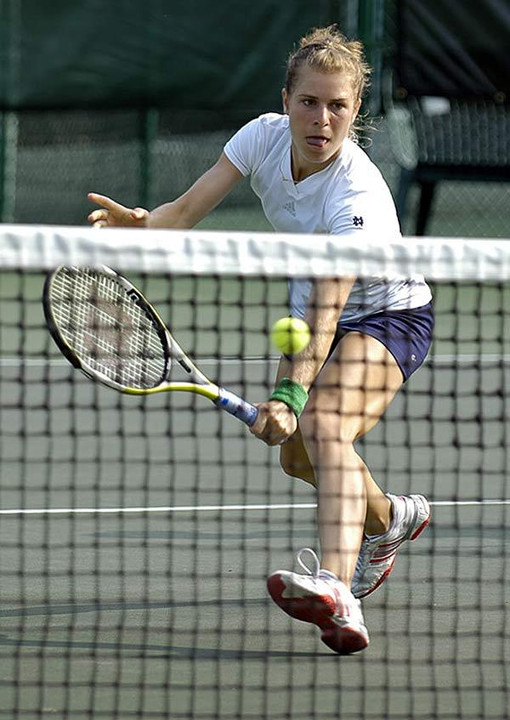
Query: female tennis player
x,y
368,335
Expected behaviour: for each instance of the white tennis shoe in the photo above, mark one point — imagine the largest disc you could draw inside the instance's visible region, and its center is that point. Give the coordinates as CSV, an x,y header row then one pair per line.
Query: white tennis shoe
x,y
411,515
319,597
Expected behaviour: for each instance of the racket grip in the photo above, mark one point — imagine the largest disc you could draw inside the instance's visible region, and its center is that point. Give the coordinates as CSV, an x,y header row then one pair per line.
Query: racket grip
x,y
236,406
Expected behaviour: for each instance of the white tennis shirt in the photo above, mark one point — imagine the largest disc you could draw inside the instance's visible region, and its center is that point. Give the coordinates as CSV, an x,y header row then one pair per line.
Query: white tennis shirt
x,y
347,198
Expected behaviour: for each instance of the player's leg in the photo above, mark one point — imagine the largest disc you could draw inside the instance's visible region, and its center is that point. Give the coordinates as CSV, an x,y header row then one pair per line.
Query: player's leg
x,y
368,377
295,461
349,397
351,394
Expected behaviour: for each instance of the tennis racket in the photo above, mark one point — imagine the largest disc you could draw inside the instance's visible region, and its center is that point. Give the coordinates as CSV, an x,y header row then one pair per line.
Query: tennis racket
x,y
106,328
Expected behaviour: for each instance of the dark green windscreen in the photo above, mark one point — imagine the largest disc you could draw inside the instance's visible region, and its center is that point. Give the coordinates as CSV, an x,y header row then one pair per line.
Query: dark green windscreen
x,y
163,53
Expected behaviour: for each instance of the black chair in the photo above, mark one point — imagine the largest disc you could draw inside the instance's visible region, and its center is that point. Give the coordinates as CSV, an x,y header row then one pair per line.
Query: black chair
x,y
447,96
436,139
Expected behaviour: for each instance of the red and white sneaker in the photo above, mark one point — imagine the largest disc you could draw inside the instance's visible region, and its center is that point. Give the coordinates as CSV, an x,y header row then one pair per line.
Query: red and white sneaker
x,y
411,515
319,597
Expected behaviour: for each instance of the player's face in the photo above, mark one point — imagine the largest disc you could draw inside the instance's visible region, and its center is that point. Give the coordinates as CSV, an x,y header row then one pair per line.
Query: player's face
x,y
321,109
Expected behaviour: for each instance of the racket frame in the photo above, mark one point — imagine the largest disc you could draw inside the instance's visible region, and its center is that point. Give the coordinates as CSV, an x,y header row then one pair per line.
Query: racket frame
x,y
198,383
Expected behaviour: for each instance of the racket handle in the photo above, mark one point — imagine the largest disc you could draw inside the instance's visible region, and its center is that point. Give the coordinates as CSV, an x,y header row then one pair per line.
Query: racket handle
x,y
236,406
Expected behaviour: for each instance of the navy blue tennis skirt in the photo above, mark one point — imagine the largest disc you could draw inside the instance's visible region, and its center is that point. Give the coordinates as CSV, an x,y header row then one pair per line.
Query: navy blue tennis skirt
x,y
407,334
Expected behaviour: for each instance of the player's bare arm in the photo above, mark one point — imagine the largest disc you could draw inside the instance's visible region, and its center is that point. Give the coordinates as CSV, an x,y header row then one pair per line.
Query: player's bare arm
x,y
184,212
327,301
276,422
113,214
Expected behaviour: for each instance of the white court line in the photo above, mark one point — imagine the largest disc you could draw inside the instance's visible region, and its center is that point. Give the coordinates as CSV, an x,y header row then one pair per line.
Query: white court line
x,y
214,508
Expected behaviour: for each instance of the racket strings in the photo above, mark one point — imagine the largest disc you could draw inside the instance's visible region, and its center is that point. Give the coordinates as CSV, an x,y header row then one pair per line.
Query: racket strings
x,y
107,329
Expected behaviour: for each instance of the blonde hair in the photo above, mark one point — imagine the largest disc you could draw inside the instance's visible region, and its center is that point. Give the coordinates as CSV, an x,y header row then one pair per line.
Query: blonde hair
x,y
328,51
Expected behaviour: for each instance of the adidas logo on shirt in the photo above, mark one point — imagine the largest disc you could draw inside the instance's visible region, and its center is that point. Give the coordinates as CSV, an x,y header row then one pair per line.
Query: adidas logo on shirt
x,y
290,207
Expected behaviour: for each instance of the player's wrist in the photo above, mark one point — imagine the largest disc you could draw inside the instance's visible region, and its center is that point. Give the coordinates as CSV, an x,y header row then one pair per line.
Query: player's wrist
x,y
291,394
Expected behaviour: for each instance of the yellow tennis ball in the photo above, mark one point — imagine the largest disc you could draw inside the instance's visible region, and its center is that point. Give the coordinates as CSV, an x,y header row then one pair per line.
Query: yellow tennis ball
x,y
290,335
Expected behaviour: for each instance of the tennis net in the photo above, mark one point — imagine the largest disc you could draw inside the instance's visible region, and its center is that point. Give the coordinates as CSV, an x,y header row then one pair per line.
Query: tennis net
x,y
137,533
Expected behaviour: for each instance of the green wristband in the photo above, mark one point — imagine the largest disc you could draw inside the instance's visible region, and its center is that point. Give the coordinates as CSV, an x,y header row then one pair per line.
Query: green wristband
x,y
292,394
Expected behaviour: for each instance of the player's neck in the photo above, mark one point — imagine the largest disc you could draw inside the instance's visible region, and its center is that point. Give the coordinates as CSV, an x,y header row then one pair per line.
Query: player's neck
x,y
302,169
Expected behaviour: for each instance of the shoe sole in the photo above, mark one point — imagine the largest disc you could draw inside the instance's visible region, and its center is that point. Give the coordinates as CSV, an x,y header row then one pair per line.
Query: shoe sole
x,y
318,610
387,572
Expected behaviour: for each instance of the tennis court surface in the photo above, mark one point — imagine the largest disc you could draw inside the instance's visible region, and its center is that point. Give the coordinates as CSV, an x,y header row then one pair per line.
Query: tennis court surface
x,y
137,533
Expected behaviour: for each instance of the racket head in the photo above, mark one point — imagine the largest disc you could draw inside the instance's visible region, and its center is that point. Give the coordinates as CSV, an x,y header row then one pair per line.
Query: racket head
x,y
105,327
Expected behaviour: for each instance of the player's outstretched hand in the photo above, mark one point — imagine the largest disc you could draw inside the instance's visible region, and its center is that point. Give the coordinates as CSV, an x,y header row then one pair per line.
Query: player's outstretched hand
x,y
112,214
275,422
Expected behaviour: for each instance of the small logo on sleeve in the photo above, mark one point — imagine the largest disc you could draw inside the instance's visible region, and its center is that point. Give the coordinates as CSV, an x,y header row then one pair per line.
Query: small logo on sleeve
x,y
290,207
357,221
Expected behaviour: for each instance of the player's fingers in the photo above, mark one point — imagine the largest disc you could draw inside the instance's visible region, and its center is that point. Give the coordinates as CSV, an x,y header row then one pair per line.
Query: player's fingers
x,y
97,215
139,213
259,425
274,440
262,427
107,202
280,430
265,430
277,436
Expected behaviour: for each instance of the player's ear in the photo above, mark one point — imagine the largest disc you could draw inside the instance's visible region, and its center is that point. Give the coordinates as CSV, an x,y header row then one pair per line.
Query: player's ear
x,y
285,101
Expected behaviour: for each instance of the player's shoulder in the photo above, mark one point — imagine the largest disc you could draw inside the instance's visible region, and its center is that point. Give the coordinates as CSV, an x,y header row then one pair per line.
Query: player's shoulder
x,y
271,132
359,197
271,123
274,120
265,130
355,161
262,137
357,173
